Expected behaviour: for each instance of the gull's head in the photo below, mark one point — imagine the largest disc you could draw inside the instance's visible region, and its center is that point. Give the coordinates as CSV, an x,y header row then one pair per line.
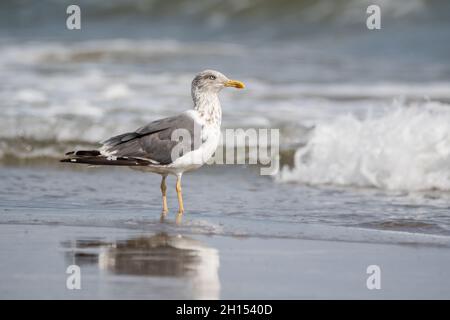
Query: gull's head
x,y
211,81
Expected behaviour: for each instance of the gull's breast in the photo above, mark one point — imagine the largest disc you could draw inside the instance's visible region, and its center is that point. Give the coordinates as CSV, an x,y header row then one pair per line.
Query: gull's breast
x,y
210,137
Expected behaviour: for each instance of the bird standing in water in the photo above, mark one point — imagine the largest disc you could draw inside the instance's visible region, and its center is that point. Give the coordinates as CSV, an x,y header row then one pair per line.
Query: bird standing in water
x,y
171,145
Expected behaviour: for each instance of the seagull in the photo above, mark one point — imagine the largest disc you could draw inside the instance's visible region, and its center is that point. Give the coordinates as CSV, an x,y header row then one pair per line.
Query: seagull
x,y
172,145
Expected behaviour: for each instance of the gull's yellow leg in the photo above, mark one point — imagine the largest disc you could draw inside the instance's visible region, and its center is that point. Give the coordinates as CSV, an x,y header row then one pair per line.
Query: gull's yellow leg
x,y
164,196
179,195
178,218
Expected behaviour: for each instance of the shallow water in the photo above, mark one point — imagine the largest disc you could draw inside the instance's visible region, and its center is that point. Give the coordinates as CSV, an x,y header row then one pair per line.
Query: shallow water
x,y
231,201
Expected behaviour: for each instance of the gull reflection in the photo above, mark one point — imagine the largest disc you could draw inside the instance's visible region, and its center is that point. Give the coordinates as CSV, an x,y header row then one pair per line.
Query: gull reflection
x,y
160,255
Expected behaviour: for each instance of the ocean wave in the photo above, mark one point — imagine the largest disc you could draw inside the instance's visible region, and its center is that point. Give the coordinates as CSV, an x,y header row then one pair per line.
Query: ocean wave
x,y
216,13
32,53
404,148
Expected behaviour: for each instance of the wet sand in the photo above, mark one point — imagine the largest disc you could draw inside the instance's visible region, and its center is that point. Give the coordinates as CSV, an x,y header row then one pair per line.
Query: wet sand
x,y
243,236
131,264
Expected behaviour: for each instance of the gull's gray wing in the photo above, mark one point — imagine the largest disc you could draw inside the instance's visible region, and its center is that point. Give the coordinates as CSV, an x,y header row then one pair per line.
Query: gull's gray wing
x,y
153,141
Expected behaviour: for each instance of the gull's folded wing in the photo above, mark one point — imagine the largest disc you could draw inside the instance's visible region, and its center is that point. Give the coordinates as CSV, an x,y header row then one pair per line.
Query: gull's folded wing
x,y
150,144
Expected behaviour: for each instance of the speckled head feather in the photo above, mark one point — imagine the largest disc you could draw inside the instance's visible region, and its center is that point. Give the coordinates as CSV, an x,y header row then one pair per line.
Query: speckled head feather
x,y
208,81
205,88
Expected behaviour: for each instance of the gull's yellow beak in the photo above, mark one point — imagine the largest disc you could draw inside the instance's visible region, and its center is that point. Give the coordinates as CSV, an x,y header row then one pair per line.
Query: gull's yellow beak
x,y
234,84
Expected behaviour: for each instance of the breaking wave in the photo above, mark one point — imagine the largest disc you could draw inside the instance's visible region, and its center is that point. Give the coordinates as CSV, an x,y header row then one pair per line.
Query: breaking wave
x,y
217,13
404,148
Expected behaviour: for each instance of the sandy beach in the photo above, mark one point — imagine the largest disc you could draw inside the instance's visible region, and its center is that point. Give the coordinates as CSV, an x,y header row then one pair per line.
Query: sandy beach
x,y
127,264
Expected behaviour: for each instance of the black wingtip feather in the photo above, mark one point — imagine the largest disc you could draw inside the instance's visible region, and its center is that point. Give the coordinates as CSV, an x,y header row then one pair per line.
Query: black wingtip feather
x,y
84,153
104,161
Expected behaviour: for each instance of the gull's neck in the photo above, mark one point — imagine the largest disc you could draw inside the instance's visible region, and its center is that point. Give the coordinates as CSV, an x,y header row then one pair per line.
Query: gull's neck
x,y
207,104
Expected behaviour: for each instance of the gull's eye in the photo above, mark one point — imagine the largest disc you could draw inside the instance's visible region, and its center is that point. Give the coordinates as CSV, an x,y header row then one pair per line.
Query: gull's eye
x,y
211,77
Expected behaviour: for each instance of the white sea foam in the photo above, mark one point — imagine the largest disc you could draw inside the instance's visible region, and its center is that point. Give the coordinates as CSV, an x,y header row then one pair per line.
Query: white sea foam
x,y
116,91
404,148
353,91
